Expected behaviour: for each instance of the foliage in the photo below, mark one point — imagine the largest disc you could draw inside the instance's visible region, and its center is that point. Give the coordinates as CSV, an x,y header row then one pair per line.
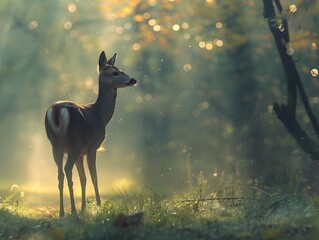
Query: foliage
x,y
272,216
207,71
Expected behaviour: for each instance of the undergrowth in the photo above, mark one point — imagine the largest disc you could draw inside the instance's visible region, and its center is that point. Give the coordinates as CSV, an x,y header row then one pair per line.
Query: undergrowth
x,y
232,213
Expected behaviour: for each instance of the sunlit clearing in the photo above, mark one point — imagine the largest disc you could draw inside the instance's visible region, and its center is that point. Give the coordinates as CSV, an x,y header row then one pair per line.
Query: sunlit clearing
x,y
293,8
314,72
122,183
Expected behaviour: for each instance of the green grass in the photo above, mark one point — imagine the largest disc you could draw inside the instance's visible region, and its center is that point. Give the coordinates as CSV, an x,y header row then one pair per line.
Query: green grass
x,y
267,216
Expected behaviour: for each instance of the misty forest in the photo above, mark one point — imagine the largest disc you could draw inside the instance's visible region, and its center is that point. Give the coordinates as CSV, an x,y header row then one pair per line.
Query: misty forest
x,y
218,139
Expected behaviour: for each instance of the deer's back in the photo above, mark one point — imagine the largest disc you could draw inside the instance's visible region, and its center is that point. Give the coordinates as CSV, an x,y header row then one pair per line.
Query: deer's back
x,y
83,127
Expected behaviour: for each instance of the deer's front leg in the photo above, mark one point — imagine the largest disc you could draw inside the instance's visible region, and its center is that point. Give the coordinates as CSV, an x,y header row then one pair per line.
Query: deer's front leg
x,y
81,171
91,159
58,158
72,157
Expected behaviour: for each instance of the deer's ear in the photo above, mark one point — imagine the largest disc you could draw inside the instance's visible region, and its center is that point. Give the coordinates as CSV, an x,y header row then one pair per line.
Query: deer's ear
x,y
102,59
112,60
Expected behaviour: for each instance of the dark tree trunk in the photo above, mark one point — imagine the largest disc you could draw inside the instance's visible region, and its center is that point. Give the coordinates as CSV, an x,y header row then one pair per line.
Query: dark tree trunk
x,y
286,112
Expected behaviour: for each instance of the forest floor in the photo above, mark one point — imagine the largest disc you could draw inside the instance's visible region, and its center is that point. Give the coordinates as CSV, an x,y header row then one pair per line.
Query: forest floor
x,y
147,215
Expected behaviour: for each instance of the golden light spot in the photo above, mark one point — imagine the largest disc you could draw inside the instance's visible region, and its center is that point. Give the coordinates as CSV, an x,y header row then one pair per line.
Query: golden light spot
x,y
136,46
185,25
270,108
72,7
152,2
125,11
152,22
146,15
215,173
202,44
219,25
176,27
119,30
290,51
67,25
148,97
73,34
127,26
138,18
209,46
204,105
89,83
314,72
281,27
293,8
139,99
187,36
157,28
33,24
187,67
14,187
219,43
314,46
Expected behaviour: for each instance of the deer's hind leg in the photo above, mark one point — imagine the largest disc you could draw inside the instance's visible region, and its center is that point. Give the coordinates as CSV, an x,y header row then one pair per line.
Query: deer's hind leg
x,y
73,156
80,167
58,158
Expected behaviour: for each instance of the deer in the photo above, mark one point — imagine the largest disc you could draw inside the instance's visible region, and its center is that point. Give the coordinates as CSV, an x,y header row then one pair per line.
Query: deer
x,y
78,130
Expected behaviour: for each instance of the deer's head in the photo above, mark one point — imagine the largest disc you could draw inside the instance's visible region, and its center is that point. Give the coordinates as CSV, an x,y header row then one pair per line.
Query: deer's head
x,y
111,75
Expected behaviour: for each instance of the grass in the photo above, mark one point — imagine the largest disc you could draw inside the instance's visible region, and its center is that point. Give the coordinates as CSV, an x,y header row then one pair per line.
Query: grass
x,y
275,215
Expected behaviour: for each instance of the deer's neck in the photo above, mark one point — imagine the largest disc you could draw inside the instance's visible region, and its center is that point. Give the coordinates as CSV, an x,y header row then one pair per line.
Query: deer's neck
x,y
105,103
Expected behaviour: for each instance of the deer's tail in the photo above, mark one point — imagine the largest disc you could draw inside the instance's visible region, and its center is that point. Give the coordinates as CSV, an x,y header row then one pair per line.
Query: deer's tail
x,y
58,119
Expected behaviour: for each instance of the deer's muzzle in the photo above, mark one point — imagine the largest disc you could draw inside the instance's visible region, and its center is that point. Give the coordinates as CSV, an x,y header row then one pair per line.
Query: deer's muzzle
x,y
132,82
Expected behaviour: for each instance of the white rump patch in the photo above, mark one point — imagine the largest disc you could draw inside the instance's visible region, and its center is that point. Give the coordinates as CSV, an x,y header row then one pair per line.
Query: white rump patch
x,y
65,119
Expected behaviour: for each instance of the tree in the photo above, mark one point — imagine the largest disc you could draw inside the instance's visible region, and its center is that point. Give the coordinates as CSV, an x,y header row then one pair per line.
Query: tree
x,y
286,112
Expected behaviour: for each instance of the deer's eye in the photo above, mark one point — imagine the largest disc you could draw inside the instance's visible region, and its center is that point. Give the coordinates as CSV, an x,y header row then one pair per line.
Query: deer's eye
x,y
115,73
